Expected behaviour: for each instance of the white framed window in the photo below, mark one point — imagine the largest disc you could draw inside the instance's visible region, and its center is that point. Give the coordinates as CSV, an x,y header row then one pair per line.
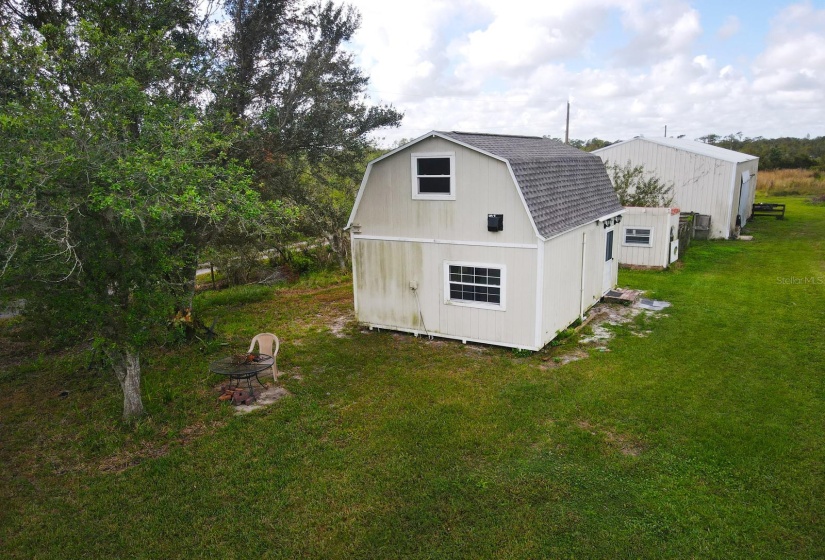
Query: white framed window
x,y
638,236
475,285
433,176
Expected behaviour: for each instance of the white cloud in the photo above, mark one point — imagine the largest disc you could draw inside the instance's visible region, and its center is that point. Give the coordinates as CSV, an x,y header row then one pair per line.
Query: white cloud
x,y
729,28
796,40
509,67
660,29
524,35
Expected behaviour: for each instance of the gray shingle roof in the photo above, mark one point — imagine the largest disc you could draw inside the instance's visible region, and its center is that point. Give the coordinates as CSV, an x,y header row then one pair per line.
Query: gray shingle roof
x,y
564,187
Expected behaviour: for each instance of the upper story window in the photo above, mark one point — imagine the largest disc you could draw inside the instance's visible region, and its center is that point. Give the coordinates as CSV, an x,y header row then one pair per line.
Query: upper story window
x,y
638,236
433,176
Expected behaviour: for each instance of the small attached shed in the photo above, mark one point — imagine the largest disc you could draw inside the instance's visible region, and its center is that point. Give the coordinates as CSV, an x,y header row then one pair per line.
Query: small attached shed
x,y
495,239
649,237
706,179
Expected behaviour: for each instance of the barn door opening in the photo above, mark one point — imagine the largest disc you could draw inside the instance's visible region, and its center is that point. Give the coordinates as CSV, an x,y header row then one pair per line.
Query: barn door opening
x,y
607,279
745,194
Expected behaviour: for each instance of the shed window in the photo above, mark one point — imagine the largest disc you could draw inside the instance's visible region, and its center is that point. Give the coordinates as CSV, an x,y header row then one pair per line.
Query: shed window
x,y
433,176
638,236
476,285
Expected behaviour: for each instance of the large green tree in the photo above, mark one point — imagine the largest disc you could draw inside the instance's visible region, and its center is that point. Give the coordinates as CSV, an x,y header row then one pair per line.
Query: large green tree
x,y
110,177
135,134
285,77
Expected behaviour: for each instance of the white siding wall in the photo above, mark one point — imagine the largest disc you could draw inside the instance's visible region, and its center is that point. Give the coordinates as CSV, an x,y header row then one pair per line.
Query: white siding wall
x,y
701,183
563,299
661,220
483,186
402,240
384,270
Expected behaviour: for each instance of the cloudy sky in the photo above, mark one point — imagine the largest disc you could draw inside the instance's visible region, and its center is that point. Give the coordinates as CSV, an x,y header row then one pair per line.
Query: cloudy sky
x,y
629,67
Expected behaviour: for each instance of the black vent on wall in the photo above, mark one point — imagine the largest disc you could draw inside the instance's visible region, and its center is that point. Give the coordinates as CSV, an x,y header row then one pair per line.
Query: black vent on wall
x,y
495,222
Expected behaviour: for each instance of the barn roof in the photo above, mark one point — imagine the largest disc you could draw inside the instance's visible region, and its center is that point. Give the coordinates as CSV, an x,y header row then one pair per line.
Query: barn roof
x,y
563,187
690,146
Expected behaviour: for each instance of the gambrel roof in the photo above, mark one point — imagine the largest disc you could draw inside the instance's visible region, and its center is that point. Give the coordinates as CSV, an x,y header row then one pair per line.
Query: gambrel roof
x,y
562,187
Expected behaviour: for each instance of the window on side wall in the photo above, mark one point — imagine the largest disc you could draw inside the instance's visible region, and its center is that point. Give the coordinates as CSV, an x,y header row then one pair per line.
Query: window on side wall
x,y
433,176
475,285
638,236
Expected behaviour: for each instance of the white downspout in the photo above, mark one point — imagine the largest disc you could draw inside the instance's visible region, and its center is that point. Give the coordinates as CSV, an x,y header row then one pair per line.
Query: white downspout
x,y
584,262
354,273
538,337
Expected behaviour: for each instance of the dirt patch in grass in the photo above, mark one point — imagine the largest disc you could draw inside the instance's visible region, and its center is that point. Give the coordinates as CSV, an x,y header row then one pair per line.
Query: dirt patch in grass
x,y
125,459
551,362
608,315
263,399
339,326
625,444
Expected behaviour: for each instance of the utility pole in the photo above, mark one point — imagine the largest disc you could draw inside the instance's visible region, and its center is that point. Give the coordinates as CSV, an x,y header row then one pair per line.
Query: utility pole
x,y
567,126
665,131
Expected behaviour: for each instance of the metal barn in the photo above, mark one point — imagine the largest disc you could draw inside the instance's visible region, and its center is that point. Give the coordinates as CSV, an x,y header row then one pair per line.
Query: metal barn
x,y
707,179
495,239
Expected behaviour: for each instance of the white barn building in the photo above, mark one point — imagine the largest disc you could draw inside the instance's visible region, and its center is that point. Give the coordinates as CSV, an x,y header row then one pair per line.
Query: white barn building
x,y
707,179
495,239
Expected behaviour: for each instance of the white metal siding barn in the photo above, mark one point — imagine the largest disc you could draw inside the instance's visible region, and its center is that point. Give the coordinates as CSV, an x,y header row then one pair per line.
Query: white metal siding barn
x,y
707,179
487,238
649,237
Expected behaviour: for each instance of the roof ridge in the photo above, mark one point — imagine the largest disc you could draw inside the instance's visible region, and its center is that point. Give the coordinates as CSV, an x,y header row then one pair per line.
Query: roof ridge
x,y
498,135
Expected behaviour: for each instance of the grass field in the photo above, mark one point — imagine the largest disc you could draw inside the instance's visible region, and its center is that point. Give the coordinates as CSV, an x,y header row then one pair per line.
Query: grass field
x,y
703,439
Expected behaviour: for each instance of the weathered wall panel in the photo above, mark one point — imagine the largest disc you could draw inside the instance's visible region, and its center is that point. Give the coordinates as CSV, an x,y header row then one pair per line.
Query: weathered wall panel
x,y
384,270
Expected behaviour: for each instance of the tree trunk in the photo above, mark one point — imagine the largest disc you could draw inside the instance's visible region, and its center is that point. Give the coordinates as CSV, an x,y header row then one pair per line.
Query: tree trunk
x,y
190,275
339,247
126,366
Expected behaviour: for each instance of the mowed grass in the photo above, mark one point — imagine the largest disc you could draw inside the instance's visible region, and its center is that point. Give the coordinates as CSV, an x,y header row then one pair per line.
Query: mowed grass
x,y
702,439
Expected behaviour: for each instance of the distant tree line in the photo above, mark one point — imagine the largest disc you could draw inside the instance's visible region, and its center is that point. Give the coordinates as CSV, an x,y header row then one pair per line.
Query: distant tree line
x,y
773,153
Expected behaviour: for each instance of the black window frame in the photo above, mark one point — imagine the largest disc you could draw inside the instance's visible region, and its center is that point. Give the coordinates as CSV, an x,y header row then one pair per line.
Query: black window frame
x,y
433,183
475,284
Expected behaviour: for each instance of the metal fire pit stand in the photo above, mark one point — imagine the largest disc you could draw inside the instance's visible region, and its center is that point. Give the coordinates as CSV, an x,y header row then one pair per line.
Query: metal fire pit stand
x,y
238,372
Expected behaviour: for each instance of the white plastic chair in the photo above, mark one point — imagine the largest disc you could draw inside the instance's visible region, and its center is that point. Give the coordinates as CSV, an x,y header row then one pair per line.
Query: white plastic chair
x,y
265,346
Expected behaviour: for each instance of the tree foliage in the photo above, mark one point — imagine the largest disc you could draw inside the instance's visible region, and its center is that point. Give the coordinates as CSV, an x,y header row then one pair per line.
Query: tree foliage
x,y
637,187
775,153
132,139
285,78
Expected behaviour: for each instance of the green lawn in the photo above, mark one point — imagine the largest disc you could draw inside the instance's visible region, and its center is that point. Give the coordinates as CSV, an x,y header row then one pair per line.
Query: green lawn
x,y
704,439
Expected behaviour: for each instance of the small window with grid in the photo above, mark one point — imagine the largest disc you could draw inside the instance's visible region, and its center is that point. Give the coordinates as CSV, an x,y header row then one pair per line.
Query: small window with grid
x,y
475,284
